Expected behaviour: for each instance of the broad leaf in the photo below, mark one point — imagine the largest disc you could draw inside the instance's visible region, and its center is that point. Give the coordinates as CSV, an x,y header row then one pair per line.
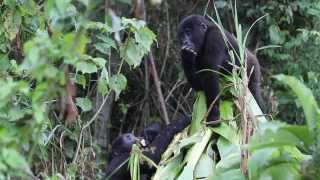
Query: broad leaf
x,y
118,83
86,67
84,103
198,113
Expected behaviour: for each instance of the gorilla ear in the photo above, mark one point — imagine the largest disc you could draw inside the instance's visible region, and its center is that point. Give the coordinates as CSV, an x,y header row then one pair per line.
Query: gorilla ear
x,y
204,26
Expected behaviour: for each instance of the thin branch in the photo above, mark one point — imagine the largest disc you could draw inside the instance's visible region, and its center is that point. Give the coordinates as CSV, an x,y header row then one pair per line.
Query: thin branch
x,y
158,88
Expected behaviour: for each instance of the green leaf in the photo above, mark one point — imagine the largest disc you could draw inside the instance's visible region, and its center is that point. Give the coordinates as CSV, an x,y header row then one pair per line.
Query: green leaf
x,y
227,149
71,45
118,83
233,174
226,110
4,64
271,138
170,170
284,171
228,132
276,35
103,48
302,133
205,166
84,103
198,113
307,100
86,67
107,40
131,53
81,79
85,2
14,159
132,23
229,162
98,26
100,62
28,7
103,86
194,154
12,24
145,37
259,159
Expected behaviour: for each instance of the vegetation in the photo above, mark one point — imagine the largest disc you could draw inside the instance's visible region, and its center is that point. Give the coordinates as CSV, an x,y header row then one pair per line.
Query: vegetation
x,y
66,65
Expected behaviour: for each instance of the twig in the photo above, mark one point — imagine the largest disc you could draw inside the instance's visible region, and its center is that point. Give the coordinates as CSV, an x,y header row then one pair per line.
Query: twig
x,y
158,87
87,125
166,55
175,86
139,11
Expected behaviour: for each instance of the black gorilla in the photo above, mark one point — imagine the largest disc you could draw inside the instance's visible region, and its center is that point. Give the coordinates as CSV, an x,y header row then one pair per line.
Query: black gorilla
x,y
203,47
151,132
121,149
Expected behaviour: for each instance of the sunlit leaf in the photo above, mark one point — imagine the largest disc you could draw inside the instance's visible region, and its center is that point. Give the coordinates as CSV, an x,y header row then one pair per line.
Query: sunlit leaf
x,y
198,113
205,167
307,100
169,171
131,53
99,61
145,37
276,35
14,159
84,103
284,171
103,48
86,67
234,174
118,83
81,79
226,110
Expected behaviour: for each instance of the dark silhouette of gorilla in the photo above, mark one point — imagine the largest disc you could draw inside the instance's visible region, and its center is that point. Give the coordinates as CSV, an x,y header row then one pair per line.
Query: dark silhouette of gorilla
x,y
203,47
117,168
151,132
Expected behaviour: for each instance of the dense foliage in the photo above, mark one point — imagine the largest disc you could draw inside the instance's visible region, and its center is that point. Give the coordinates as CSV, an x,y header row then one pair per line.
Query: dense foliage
x,y
40,42
291,28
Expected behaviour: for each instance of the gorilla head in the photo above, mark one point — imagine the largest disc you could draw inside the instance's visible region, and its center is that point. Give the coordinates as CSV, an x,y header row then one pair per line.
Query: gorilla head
x,y
192,32
123,144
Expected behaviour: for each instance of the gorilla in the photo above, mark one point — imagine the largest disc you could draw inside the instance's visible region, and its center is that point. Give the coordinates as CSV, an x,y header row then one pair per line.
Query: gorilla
x,y
155,146
202,48
151,132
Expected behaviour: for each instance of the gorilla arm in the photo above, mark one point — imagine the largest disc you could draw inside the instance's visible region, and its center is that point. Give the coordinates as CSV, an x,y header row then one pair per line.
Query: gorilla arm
x,y
212,61
189,67
161,142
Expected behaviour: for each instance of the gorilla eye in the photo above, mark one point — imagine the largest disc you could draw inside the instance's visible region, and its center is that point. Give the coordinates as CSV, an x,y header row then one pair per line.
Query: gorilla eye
x,y
187,31
204,26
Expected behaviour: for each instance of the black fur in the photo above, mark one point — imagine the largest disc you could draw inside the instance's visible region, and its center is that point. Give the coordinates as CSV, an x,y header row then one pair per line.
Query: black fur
x,y
123,144
203,47
154,150
151,132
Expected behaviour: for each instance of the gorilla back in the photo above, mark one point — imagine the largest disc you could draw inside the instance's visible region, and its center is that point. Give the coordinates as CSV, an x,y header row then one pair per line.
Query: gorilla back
x,y
202,48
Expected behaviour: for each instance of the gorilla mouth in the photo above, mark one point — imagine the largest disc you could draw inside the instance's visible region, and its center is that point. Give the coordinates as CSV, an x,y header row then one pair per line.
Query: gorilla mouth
x,y
189,49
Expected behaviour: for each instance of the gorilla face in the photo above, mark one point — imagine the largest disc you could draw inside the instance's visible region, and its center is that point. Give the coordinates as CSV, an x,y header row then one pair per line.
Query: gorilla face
x,y
191,33
123,144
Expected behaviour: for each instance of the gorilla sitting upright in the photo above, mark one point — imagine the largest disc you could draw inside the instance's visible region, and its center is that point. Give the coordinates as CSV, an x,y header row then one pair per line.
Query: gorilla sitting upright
x,y
157,141
205,56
